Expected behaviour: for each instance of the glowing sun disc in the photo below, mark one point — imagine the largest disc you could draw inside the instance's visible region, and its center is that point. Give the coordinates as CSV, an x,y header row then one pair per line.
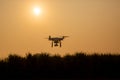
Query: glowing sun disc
x,y
37,11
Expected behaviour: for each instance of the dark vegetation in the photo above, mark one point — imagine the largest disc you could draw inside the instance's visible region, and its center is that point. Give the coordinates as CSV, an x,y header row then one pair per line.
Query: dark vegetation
x,y
78,65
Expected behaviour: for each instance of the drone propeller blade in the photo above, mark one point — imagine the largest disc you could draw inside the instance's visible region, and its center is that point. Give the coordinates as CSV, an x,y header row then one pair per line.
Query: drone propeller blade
x,y
63,36
66,36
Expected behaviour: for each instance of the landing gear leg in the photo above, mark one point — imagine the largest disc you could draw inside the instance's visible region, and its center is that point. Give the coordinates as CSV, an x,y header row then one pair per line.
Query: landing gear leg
x,y
52,44
60,44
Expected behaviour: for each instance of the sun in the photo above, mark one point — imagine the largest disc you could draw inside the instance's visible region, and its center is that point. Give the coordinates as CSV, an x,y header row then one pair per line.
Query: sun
x,y
37,11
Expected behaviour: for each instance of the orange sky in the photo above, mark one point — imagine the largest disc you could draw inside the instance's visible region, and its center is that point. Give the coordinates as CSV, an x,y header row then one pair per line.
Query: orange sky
x,y
93,26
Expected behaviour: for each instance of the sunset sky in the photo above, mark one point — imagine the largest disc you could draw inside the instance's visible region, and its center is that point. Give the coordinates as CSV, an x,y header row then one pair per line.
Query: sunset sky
x,y
93,26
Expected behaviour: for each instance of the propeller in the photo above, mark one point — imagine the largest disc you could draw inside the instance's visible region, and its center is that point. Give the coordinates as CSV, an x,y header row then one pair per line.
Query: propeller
x,y
65,36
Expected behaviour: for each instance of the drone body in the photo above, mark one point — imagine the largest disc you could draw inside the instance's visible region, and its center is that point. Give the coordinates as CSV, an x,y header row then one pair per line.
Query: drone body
x,y
56,40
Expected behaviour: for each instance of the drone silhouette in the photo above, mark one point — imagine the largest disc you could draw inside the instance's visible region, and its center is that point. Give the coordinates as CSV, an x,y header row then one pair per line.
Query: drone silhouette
x,y
56,40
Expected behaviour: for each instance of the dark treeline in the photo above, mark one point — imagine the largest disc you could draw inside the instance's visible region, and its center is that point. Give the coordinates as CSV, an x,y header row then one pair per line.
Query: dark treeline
x,y
78,65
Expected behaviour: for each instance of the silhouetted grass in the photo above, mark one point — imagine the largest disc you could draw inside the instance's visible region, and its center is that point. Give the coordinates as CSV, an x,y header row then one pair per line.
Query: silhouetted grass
x,y
79,65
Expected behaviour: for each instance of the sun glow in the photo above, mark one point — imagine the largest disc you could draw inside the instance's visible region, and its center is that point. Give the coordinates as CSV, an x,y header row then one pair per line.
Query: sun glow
x,y
37,11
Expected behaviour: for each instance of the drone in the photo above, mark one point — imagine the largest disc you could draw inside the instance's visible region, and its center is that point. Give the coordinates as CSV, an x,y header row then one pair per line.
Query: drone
x,y
56,40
